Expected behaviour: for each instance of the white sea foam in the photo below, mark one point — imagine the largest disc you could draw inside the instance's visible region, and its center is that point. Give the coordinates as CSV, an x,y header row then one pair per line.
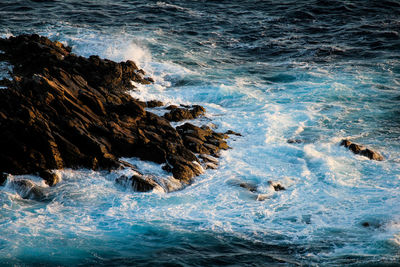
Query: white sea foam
x,y
329,191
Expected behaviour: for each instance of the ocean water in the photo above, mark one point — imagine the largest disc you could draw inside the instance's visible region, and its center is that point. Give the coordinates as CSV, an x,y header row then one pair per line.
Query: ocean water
x,y
316,71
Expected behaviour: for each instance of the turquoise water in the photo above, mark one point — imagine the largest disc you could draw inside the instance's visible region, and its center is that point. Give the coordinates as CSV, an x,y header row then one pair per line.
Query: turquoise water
x,y
310,70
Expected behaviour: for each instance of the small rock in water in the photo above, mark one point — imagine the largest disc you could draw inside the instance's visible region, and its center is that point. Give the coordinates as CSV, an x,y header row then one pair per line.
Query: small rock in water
x,y
276,185
246,185
294,141
361,150
372,224
365,224
249,186
29,190
233,133
371,154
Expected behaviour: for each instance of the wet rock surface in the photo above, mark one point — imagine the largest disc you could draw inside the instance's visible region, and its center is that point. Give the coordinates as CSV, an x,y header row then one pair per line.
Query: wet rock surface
x,y
184,112
29,190
139,183
361,150
61,110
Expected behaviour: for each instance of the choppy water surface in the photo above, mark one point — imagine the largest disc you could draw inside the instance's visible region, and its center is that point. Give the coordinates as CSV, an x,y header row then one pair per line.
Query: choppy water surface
x,y
317,71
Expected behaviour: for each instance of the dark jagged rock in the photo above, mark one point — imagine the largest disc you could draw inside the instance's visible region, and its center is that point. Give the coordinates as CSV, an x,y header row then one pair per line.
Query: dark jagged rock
x,y
361,150
61,110
184,113
202,140
141,184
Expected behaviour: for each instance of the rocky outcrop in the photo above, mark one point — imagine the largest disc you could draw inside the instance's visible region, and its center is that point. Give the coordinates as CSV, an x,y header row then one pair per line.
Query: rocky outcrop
x,y
61,110
361,150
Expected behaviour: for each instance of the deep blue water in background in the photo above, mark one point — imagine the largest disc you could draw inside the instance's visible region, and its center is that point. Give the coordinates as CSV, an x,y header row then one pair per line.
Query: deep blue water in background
x,y
317,71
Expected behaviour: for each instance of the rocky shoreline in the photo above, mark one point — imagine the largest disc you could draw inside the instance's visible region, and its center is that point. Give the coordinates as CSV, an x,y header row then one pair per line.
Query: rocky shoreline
x,y
61,110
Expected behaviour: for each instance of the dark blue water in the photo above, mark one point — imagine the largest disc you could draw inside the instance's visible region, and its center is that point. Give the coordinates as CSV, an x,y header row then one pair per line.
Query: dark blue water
x,y
316,71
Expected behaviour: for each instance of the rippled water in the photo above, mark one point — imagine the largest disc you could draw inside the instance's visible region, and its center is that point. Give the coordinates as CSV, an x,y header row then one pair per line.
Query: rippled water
x,y
317,71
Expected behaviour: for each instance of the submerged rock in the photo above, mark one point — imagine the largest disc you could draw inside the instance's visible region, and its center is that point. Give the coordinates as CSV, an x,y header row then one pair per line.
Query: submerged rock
x,y
294,141
66,111
372,223
254,188
249,186
361,150
29,190
276,185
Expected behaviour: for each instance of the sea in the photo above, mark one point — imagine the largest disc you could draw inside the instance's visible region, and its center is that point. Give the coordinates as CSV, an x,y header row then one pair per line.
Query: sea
x,y
311,72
